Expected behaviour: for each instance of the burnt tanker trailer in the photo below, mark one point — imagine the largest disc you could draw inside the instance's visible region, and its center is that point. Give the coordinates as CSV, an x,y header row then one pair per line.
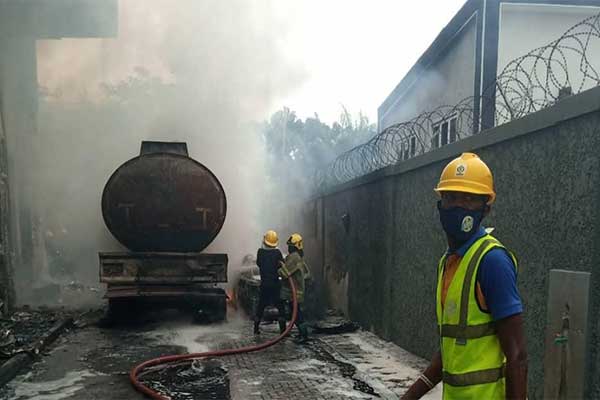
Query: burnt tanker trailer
x,y
165,208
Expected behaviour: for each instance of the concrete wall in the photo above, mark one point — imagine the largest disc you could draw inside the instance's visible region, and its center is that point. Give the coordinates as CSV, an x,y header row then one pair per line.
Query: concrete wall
x,y
18,100
447,81
547,173
6,281
23,256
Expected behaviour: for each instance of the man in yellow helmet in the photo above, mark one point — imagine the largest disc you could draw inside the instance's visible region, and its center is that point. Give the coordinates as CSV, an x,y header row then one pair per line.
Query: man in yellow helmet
x,y
479,311
296,268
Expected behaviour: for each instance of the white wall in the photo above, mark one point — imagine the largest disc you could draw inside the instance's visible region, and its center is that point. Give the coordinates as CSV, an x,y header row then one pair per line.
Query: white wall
x,y
524,27
445,82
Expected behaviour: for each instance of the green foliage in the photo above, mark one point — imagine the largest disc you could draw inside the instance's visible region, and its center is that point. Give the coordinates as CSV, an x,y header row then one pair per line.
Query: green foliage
x,y
302,147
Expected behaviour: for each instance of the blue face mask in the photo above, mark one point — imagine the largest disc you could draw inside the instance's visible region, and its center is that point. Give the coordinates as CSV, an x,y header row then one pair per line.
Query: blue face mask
x,y
459,223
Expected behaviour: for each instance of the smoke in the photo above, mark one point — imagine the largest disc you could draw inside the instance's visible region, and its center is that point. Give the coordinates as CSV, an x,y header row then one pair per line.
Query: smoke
x,y
190,71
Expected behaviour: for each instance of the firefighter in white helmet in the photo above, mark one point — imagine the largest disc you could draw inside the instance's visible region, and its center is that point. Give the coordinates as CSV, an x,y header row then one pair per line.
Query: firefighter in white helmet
x,y
296,268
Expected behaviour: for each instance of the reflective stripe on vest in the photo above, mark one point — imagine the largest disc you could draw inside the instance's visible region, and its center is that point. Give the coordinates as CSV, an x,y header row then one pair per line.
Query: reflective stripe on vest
x,y
462,330
471,352
473,378
468,332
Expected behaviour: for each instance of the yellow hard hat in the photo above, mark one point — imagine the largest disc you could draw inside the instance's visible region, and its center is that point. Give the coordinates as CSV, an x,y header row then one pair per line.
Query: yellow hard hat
x,y
270,239
469,174
296,241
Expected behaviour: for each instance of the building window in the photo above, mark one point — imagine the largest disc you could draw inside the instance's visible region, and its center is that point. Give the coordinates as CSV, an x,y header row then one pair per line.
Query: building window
x,y
444,132
409,148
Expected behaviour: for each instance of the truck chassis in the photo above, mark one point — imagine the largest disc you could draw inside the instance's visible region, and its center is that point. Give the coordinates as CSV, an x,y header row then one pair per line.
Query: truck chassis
x,y
186,281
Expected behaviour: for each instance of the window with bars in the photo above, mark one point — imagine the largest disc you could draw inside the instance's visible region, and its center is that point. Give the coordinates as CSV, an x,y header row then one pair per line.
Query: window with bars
x,y
409,148
444,132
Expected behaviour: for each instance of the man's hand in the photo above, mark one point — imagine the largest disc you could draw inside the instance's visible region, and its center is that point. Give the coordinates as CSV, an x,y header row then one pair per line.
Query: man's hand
x,y
282,271
433,373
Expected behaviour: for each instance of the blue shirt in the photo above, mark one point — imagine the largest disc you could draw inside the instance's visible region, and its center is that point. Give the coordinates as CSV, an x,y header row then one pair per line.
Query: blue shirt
x,y
497,278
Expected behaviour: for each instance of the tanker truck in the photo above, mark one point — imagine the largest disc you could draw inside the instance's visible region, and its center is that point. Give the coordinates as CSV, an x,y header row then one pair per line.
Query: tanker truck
x,y
164,208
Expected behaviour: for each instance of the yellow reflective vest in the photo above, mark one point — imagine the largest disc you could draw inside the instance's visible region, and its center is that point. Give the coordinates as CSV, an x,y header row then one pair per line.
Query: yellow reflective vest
x,y
473,361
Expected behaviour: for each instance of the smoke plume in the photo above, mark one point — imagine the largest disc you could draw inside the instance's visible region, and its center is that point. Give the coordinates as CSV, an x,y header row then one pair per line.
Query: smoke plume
x,y
185,70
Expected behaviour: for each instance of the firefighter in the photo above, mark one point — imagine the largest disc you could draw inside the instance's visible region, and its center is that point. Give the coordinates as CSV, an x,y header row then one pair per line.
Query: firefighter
x,y
268,259
296,268
482,351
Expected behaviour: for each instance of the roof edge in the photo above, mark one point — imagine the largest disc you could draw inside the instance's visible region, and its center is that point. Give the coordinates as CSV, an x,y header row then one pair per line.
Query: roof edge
x,y
433,51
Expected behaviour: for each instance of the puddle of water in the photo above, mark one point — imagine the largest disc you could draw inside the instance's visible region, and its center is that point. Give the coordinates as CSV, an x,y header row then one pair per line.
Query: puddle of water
x,y
200,379
62,388
122,358
200,338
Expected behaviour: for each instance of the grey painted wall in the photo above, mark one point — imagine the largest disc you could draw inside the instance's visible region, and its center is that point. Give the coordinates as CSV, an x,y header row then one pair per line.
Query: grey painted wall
x,y
446,82
547,173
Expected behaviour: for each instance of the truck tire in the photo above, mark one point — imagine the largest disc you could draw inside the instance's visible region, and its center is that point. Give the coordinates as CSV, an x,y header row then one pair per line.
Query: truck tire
x,y
220,307
122,309
211,310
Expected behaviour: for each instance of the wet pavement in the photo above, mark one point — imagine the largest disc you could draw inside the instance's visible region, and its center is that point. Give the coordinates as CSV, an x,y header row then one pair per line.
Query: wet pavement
x,y
93,363
19,330
200,379
356,365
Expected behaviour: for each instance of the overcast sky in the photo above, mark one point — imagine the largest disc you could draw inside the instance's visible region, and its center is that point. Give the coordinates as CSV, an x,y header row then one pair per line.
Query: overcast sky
x,y
356,52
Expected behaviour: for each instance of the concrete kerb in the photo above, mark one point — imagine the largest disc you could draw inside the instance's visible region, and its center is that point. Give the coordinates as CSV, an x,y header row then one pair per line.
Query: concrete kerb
x,y
16,363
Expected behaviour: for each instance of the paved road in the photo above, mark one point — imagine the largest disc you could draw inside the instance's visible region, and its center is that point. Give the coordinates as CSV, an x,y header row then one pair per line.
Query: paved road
x,y
93,363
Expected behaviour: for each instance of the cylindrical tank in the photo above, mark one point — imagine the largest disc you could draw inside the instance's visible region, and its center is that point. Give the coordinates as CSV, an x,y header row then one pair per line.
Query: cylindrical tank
x,y
164,201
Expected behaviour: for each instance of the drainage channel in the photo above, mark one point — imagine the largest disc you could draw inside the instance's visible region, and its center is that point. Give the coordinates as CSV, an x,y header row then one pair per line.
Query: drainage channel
x,y
346,369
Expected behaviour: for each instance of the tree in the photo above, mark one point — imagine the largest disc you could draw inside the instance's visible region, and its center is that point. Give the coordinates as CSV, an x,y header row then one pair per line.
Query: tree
x,y
302,147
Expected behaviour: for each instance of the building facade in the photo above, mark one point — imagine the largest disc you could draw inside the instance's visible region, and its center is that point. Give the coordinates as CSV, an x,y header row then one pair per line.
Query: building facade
x,y
462,64
22,23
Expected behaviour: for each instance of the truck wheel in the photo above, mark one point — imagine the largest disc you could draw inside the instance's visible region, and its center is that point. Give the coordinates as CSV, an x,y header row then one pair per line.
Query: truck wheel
x,y
121,309
220,307
213,310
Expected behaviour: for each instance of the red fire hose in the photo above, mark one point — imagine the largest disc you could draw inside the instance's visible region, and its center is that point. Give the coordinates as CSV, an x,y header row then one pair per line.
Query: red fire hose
x,y
135,372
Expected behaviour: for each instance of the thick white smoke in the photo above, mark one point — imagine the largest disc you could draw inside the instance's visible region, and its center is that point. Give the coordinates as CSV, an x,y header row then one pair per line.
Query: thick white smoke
x,y
185,70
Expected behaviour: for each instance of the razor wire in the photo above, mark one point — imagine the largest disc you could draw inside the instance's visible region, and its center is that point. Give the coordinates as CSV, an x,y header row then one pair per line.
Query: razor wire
x,y
527,84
